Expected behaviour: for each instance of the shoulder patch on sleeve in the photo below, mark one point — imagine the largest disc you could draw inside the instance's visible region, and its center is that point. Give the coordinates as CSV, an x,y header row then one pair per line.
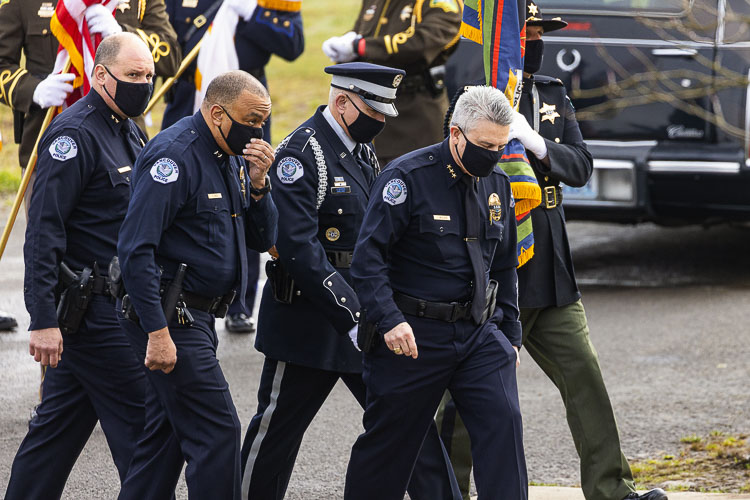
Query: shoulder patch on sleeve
x,y
450,6
63,148
289,169
165,170
394,192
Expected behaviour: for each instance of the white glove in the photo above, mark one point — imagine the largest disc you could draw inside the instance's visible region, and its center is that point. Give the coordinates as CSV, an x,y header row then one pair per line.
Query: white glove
x,y
353,336
53,90
243,8
340,49
531,140
101,20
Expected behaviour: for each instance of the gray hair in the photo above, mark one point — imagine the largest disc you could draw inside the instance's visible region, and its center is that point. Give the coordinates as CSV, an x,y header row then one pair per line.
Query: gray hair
x,y
227,87
481,103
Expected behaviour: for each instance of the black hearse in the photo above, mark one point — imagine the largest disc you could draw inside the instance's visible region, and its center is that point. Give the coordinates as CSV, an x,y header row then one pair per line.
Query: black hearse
x,y
661,92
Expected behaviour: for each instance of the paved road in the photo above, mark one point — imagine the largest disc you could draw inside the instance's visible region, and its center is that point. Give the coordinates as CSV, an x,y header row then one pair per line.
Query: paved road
x,y
669,315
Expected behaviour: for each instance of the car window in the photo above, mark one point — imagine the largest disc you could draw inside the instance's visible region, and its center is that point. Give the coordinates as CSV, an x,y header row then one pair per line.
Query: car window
x,y
619,6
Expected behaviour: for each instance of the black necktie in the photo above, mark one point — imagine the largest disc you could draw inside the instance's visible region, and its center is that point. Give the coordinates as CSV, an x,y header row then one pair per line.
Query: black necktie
x,y
131,140
231,179
473,228
364,164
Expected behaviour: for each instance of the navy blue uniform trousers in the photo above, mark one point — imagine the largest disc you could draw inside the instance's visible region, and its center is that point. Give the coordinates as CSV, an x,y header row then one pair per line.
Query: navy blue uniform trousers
x,y
190,417
477,365
289,397
98,378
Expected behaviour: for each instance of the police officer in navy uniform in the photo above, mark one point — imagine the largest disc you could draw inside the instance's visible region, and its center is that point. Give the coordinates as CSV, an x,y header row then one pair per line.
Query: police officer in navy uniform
x,y
79,201
435,271
555,330
196,205
322,174
273,27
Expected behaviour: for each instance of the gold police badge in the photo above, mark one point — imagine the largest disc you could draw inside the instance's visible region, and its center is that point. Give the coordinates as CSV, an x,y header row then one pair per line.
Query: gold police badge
x,y
397,80
549,112
496,209
333,234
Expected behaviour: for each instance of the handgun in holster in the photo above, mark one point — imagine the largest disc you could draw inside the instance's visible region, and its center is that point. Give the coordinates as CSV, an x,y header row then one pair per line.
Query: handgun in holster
x,y
74,299
282,284
435,80
490,301
116,286
171,299
367,333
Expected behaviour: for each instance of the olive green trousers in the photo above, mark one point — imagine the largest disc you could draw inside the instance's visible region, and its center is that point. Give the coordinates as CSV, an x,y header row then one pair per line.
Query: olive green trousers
x,y
557,338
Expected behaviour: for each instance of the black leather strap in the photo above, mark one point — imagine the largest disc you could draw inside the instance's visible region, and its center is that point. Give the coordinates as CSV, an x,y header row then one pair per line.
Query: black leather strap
x,y
449,312
342,259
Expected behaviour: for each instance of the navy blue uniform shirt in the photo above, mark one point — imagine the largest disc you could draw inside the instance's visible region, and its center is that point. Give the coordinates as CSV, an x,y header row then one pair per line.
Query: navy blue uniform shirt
x,y
79,198
412,239
182,210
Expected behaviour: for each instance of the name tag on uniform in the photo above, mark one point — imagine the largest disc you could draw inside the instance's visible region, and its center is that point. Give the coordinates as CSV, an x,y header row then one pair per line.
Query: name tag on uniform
x,y
441,217
189,4
122,170
341,189
214,196
47,9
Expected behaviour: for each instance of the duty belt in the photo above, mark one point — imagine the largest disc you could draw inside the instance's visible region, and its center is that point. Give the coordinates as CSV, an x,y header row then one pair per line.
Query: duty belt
x,y
553,197
211,305
443,311
341,259
100,284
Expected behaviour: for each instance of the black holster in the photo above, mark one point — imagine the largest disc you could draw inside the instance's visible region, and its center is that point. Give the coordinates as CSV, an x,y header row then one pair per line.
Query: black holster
x,y
435,80
116,286
75,298
282,284
490,301
368,337
171,295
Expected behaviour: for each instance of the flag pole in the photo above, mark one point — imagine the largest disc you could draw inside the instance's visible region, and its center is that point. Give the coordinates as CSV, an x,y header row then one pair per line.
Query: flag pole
x,y
172,79
28,172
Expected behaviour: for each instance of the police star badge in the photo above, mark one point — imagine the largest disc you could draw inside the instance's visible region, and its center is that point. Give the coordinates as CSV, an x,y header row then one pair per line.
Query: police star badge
x,y
123,5
549,112
333,234
369,13
496,209
406,13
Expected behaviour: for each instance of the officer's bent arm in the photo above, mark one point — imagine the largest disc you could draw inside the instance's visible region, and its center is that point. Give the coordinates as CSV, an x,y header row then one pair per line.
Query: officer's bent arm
x,y
275,31
153,206
569,161
503,270
16,84
382,227
300,251
159,35
57,189
261,224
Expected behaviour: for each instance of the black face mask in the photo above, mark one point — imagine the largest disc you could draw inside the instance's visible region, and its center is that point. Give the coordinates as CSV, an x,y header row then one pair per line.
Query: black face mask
x,y
364,128
534,56
478,161
131,98
239,135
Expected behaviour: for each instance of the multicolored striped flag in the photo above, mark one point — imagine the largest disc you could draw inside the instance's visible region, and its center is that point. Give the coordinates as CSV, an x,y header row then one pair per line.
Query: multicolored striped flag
x,y
69,26
500,27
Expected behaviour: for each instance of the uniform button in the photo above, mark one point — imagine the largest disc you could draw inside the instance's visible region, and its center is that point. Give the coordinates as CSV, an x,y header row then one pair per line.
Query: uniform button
x,y
546,177
275,20
356,314
286,24
192,131
441,229
267,14
329,283
298,293
187,20
557,140
307,130
431,157
89,105
343,300
340,211
45,31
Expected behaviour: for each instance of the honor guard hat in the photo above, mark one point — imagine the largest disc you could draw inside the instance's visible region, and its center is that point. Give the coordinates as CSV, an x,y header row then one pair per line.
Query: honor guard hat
x,y
534,18
375,84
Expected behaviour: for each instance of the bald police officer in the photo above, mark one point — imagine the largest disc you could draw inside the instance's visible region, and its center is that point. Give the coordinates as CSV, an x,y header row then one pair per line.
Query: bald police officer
x,y
79,200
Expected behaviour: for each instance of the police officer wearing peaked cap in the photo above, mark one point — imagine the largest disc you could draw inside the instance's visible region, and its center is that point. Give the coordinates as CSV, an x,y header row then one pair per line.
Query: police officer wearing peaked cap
x,y
555,330
79,200
435,270
196,202
322,178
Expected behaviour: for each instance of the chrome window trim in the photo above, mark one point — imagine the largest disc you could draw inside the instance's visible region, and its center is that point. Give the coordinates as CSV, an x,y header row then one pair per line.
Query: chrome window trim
x,y
747,122
621,13
693,167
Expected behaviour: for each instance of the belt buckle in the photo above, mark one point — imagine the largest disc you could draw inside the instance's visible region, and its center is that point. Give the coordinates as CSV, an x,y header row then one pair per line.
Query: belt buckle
x,y
550,197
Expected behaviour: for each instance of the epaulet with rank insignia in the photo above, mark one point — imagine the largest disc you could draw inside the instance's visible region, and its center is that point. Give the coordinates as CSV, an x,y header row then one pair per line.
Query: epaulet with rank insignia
x,y
299,139
547,80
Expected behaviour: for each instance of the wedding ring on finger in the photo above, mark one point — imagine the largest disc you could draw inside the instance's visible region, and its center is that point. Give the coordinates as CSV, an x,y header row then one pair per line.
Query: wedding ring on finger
x,y
397,350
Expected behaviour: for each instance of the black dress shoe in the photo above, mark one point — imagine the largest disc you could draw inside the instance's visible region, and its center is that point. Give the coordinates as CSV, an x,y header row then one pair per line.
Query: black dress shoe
x,y
7,321
239,323
655,494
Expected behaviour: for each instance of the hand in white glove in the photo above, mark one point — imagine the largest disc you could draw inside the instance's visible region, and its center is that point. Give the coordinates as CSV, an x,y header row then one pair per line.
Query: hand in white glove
x,y
101,20
341,48
243,8
53,90
531,140
353,336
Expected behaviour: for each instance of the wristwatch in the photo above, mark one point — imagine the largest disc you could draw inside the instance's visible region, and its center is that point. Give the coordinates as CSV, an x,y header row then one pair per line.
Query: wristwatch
x,y
261,191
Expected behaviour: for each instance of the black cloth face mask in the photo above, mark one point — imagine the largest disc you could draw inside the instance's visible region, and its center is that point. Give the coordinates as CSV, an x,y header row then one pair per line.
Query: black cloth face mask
x,y
364,128
478,161
534,56
239,135
131,98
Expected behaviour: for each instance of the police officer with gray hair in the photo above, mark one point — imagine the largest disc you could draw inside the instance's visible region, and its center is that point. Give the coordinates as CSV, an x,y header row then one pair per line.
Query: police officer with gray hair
x,y
435,271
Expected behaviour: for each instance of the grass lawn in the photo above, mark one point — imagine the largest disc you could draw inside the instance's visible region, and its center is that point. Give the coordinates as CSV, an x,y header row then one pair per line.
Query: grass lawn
x,y
297,88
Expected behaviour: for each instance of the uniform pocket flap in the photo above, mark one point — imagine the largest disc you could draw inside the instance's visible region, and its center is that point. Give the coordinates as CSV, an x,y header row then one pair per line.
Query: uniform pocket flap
x,y
438,224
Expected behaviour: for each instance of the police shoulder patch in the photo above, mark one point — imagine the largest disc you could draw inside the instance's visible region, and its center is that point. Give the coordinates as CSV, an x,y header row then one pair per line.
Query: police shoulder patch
x,y
63,148
394,192
165,170
289,169
449,6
